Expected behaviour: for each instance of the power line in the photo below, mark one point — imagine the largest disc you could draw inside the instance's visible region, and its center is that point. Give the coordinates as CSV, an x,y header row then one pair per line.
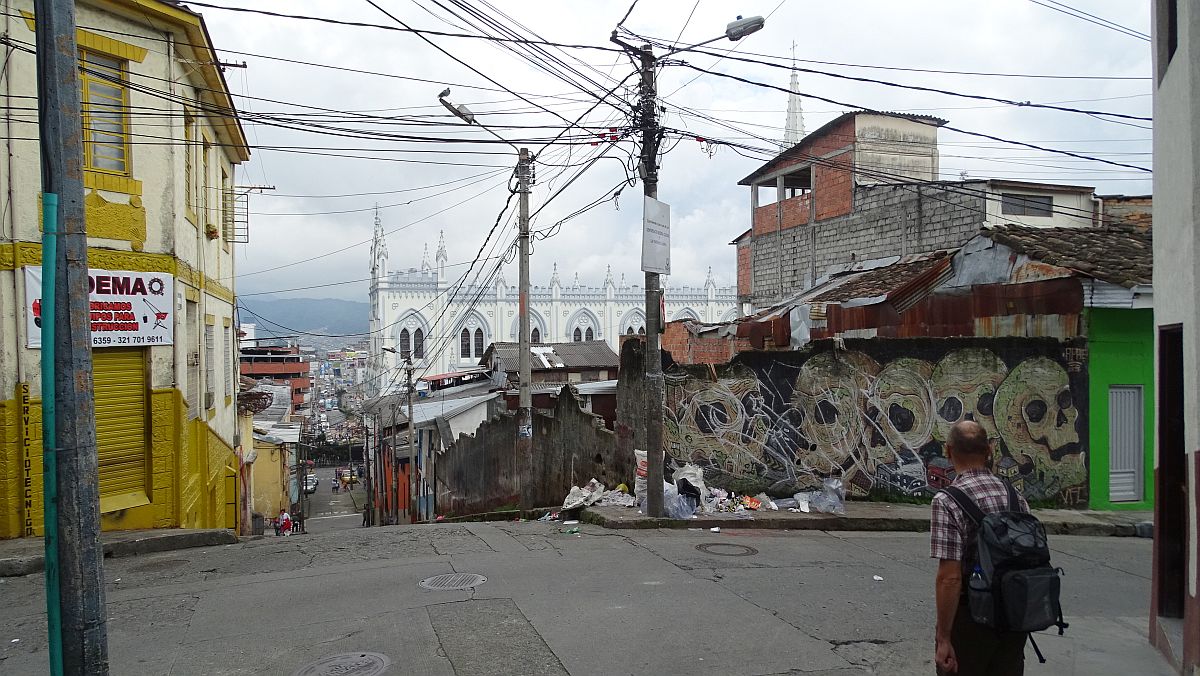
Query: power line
x,y
1092,18
917,119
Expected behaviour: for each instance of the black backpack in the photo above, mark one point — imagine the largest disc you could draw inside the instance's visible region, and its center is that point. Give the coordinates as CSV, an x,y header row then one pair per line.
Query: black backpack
x,y
1009,582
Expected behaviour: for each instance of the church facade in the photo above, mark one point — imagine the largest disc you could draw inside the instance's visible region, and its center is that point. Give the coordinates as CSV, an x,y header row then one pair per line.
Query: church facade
x,y
421,312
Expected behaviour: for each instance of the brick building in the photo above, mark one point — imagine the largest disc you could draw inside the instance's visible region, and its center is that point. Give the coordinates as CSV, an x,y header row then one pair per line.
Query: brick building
x,y
864,186
281,363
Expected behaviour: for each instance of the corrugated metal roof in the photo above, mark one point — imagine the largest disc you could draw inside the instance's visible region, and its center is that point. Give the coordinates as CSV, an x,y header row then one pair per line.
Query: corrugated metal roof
x,y
548,356
427,411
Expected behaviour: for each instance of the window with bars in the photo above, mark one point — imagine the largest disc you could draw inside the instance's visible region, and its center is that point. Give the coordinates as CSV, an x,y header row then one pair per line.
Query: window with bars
x,y
419,344
478,342
226,209
464,344
105,101
230,361
189,159
210,362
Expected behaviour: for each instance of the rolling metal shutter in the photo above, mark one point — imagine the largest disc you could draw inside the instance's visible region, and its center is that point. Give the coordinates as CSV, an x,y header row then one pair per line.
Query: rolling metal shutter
x,y
121,419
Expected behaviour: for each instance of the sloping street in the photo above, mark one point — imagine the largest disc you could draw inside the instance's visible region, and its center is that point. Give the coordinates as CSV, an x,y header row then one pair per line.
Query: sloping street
x,y
556,602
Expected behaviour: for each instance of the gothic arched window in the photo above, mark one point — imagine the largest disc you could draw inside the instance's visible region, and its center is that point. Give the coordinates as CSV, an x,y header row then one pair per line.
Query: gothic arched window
x,y
641,330
589,335
403,344
578,337
629,331
419,344
535,336
478,342
464,344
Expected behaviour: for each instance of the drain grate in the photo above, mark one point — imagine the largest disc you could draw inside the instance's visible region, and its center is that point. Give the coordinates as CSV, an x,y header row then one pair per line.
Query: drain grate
x,y
726,549
346,664
453,581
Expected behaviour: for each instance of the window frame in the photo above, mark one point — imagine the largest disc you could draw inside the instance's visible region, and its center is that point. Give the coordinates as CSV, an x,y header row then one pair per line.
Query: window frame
x,y
85,80
478,341
577,335
464,344
1022,204
418,343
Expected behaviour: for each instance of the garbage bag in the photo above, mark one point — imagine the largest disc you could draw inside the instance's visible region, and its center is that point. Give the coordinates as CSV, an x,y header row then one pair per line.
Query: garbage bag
x,y
830,500
677,505
690,481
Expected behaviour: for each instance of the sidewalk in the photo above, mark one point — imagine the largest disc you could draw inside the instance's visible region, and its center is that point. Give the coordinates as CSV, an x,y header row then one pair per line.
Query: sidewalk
x,y
864,516
24,556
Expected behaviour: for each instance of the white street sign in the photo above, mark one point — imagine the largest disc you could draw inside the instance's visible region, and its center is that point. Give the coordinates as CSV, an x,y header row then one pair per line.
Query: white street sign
x,y
656,237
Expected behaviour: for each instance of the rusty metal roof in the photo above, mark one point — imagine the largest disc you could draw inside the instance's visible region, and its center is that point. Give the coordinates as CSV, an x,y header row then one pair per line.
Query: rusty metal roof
x,y
1119,254
884,281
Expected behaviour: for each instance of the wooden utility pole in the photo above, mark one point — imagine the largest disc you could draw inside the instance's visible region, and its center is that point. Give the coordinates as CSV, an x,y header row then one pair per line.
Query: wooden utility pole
x,y
524,399
412,474
72,454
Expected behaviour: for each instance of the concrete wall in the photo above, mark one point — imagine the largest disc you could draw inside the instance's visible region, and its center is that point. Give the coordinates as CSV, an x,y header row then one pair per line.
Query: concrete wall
x,y
481,473
885,221
877,415
1177,303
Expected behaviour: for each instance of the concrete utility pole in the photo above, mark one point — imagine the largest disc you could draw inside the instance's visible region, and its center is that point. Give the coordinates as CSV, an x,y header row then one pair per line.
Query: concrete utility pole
x,y
651,135
524,399
394,462
80,563
412,512
368,475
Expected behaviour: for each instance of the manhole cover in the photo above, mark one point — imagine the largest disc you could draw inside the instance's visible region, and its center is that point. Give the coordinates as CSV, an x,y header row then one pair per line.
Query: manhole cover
x,y
346,664
453,581
726,549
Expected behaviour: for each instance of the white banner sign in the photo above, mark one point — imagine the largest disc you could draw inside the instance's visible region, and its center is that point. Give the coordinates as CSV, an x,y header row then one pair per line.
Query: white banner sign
x,y
656,237
126,309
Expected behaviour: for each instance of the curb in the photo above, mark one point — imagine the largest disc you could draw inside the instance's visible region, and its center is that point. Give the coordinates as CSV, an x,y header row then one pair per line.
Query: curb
x,y
827,522
27,565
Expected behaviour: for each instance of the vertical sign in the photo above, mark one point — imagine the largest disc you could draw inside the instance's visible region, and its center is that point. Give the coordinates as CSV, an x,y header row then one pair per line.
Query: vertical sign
x,y
26,462
656,237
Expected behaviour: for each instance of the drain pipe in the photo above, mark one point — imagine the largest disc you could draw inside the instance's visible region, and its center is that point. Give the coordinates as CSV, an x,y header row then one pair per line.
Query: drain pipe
x,y
49,438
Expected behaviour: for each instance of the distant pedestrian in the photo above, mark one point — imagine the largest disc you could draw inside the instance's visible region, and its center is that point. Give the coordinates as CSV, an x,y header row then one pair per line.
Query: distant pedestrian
x,y
963,646
285,522
366,515
334,484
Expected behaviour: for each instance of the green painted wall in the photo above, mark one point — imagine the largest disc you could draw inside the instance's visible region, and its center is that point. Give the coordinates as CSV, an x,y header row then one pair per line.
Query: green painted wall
x,y
1120,352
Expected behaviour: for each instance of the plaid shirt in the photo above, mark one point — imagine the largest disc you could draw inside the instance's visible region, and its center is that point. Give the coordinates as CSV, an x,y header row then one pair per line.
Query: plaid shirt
x,y
950,527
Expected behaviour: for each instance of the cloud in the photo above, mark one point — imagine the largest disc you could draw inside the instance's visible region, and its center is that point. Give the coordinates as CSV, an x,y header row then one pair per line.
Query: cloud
x,y
709,208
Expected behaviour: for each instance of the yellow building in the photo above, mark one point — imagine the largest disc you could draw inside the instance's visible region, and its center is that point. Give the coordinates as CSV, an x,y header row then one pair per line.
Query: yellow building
x,y
267,451
161,142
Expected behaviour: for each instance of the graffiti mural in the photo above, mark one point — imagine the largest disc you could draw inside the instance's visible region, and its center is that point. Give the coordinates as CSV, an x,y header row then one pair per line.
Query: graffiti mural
x,y
877,414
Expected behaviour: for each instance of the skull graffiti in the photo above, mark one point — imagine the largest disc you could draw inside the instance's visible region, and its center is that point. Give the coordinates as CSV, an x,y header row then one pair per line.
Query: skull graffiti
x,y
901,402
1035,410
964,387
830,392
710,424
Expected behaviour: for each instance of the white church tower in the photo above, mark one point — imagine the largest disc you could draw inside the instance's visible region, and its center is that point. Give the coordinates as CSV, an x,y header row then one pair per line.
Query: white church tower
x,y
794,131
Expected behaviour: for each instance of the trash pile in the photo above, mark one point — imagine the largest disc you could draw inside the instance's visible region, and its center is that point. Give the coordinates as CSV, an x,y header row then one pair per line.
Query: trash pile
x,y
687,495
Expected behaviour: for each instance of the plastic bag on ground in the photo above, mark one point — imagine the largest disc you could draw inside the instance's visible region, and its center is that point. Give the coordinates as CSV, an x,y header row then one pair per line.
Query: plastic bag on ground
x,y
803,502
693,477
831,500
678,506
575,498
594,490
639,481
583,497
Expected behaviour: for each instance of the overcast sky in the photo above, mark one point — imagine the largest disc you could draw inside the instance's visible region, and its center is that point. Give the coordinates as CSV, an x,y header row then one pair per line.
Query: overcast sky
x,y
293,223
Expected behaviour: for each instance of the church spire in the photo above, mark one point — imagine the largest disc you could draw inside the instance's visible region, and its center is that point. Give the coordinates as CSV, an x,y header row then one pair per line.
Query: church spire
x,y
425,267
379,253
794,131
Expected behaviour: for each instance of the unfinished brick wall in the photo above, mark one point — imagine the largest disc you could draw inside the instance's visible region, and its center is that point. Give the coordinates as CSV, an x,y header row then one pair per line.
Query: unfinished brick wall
x,y
886,220
744,283
688,348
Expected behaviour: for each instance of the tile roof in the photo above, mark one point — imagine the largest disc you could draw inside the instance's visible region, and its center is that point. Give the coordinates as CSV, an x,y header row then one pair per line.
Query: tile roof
x,y
546,356
1119,254
881,281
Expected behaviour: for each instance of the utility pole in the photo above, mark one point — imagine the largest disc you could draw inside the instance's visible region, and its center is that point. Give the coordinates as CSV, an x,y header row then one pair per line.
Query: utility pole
x,y
72,454
367,473
524,399
412,486
393,460
648,121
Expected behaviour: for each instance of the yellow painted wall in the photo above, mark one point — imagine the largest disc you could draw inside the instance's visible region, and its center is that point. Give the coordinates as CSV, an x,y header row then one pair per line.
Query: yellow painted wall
x,y
187,487
270,479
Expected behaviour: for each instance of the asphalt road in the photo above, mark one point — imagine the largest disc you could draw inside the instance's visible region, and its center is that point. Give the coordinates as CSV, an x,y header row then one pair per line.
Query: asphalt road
x,y
596,603
329,511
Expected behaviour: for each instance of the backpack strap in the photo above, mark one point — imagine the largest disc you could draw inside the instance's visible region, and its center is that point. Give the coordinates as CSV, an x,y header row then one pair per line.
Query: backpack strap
x,y
966,503
1014,502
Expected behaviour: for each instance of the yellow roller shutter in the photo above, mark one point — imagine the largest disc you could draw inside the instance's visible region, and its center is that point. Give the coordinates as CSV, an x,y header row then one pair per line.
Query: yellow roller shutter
x,y
120,378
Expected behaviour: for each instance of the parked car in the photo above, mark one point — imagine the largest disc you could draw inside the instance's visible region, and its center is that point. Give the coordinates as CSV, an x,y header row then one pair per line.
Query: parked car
x,y
310,484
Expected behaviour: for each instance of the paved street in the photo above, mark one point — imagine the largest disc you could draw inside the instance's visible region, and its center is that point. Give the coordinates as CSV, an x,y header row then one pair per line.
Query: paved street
x,y
331,511
595,603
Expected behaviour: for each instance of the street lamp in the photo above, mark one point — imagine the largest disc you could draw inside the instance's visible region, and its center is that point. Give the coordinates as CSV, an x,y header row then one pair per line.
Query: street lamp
x,y
651,135
524,441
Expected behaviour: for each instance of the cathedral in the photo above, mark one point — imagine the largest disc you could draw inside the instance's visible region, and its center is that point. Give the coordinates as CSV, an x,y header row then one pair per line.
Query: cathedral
x,y
420,312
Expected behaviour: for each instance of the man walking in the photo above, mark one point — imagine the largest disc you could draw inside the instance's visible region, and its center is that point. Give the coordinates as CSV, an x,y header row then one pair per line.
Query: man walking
x,y
961,645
